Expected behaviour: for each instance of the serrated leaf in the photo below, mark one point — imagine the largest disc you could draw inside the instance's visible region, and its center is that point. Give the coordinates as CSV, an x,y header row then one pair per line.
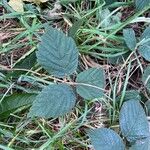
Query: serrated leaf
x,y
144,48
144,51
146,77
15,101
140,4
146,34
133,121
75,27
57,53
130,95
143,144
91,83
130,39
16,5
54,101
105,139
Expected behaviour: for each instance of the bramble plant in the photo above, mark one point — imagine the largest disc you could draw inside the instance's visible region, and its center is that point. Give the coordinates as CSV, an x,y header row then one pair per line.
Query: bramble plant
x,y
86,89
58,54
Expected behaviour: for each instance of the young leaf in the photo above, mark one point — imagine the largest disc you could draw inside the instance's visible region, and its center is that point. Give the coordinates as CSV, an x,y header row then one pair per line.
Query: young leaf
x,y
105,20
54,101
144,48
133,121
146,77
91,83
75,27
15,101
57,53
130,39
142,144
140,4
105,139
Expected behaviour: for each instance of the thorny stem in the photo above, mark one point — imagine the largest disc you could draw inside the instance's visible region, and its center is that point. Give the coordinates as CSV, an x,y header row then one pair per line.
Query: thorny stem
x,y
51,77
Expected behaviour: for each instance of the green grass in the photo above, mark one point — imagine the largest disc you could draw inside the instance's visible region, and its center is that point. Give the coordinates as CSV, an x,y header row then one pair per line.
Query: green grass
x,y
97,45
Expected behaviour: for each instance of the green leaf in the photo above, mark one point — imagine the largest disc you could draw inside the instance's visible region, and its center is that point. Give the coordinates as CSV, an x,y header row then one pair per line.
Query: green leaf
x,y
143,144
57,53
26,63
130,39
133,121
146,77
2,77
118,59
108,2
65,2
105,20
147,105
140,4
90,83
144,48
75,27
132,94
105,139
15,101
144,51
146,34
54,101
129,95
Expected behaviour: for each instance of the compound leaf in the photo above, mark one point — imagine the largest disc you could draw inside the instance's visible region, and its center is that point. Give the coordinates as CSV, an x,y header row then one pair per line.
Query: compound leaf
x,y
54,101
130,39
91,83
133,121
57,53
105,139
140,4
